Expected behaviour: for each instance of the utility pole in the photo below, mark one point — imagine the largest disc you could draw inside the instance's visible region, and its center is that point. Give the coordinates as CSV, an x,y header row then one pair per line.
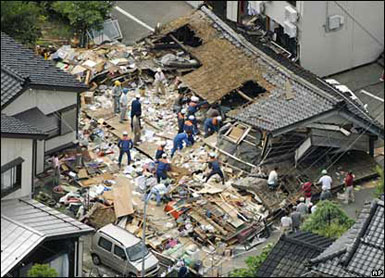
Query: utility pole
x,y
144,229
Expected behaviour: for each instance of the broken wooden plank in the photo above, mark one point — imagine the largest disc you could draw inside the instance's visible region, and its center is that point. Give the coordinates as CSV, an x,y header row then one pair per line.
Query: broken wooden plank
x,y
246,97
122,197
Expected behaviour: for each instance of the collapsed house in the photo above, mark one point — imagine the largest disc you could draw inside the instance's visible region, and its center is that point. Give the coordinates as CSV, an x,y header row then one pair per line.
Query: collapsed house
x,y
291,117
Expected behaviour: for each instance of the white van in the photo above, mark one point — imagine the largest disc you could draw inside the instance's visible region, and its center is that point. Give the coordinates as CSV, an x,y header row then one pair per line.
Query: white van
x,y
122,251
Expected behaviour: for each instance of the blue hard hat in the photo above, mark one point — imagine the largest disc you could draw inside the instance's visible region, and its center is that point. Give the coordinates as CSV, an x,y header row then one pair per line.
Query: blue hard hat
x,y
125,90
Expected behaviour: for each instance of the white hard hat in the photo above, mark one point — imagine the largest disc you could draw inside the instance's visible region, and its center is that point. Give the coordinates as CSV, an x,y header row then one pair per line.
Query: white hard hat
x,y
212,155
324,171
183,111
137,95
164,143
302,199
164,155
194,99
158,69
125,133
191,117
219,118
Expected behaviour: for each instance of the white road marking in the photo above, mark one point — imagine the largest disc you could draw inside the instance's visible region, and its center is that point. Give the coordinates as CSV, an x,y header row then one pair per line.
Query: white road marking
x,y
371,95
134,18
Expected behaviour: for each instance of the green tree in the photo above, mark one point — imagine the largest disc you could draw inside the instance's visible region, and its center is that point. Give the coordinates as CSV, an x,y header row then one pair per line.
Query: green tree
x,y
253,264
83,15
42,270
20,20
380,184
328,220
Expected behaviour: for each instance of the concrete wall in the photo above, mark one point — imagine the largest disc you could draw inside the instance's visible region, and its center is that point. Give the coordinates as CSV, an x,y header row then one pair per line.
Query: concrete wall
x,y
325,53
46,101
12,148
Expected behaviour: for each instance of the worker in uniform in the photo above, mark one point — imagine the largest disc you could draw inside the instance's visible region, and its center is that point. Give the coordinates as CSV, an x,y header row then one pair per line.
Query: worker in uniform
x,y
215,168
116,93
189,128
181,119
162,168
211,125
194,105
160,150
136,110
178,142
125,144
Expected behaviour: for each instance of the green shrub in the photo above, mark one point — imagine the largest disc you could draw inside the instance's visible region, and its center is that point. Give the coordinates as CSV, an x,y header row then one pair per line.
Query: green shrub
x,y
380,184
42,270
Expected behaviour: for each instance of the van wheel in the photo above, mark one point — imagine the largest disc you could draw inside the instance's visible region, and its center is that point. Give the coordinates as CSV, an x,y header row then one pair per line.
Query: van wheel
x,y
96,259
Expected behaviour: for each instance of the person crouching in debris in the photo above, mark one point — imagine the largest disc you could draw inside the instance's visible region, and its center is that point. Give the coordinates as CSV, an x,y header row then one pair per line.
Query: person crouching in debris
x,y
302,207
159,190
296,219
162,168
160,79
136,110
123,105
272,181
116,94
286,224
181,118
215,168
160,151
125,145
178,142
326,182
212,125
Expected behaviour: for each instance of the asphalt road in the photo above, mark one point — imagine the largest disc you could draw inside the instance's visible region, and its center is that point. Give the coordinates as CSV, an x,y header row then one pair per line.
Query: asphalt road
x,y
136,18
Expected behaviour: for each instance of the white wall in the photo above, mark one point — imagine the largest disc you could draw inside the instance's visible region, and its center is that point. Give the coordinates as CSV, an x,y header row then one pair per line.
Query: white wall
x,y
46,101
60,141
328,53
194,4
276,10
232,10
40,156
12,148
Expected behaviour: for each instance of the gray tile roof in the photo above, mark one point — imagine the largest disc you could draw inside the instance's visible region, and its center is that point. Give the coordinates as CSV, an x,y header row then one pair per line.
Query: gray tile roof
x,y
25,223
360,250
11,125
290,254
17,241
11,83
25,63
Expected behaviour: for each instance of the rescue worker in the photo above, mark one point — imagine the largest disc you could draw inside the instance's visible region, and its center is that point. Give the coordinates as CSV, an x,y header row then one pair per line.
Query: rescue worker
x,y
163,167
211,125
125,145
215,168
326,182
136,110
189,128
116,93
306,188
194,105
178,142
181,118
123,106
160,79
160,151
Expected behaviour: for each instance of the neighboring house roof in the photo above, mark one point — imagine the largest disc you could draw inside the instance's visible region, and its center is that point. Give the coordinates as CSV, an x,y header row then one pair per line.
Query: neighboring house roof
x,y
24,63
11,83
17,240
230,59
36,117
289,255
12,127
360,250
26,224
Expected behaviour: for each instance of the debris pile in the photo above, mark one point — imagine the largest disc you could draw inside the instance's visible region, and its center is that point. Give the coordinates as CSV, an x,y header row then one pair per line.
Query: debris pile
x,y
200,222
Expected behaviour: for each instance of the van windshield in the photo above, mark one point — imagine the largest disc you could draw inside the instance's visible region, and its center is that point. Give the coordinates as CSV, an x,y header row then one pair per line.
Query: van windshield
x,y
136,252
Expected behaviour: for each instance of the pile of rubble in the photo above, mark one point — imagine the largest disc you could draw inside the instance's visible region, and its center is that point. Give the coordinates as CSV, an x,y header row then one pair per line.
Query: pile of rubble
x,y
200,222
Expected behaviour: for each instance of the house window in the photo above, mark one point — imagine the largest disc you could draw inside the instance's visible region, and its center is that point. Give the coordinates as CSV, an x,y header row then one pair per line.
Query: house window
x,y
105,244
11,177
68,121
